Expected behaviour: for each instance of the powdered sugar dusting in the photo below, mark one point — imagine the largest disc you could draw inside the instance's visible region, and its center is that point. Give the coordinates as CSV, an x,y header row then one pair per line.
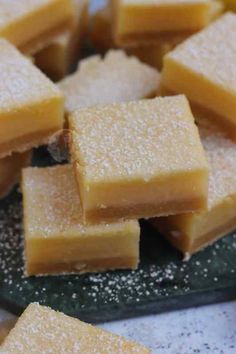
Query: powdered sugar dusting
x,y
13,10
221,153
22,84
52,206
47,331
211,53
116,78
138,140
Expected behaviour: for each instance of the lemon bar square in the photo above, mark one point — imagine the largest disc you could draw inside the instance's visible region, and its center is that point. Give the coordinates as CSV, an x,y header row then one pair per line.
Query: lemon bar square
x,y
56,240
10,170
138,159
193,231
61,53
48,331
204,69
149,51
153,17
27,23
116,78
31,106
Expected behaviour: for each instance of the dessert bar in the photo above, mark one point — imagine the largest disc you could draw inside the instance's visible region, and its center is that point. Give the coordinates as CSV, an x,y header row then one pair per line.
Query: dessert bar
x,y
29,23
138,159
31,106
61,53
204,69
192,231
47,331
56,241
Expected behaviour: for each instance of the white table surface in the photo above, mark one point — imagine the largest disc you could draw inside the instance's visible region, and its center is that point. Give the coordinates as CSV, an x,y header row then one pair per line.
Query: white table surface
x,y
205,330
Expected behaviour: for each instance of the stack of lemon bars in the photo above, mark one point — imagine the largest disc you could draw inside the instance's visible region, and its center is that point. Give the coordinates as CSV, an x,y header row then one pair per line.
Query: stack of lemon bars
x,y
150,125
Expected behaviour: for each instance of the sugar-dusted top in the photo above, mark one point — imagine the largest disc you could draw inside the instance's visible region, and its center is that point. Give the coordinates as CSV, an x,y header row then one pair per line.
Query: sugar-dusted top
x,y
221,154
42,330
165,2
137,140
13,10
21,83
116,78
52,206
211,53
